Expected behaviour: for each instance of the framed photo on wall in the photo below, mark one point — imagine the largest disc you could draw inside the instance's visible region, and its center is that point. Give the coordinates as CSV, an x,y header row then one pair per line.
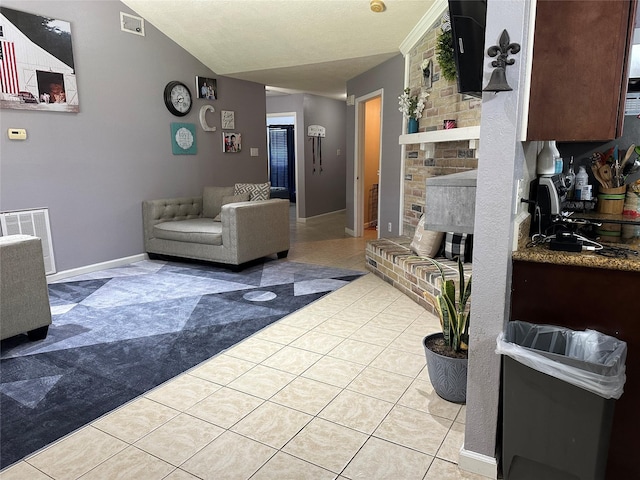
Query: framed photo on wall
x,y
36,76
207,88
228,119
231,142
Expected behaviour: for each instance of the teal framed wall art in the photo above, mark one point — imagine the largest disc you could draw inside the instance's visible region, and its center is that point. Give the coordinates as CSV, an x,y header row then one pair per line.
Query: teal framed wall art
x,y
183,139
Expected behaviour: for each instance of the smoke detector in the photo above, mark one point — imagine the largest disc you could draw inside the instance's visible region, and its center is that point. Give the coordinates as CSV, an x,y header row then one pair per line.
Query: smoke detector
x,y
131,24
377,6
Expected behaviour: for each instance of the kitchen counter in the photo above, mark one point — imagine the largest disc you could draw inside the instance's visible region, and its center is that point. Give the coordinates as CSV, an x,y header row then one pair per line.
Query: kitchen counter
x,y
542,254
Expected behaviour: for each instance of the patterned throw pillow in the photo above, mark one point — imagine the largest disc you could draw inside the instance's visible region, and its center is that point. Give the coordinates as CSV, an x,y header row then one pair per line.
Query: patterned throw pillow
x,y
426,243
258,191
458,245
244,197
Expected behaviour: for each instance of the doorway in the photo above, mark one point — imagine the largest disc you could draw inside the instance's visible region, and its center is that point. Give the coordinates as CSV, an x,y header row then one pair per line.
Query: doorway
x,y
367,164
282,161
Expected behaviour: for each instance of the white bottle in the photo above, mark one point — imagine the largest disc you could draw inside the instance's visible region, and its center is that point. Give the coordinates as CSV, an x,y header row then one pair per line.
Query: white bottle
x,y
547,158
571,180
582,180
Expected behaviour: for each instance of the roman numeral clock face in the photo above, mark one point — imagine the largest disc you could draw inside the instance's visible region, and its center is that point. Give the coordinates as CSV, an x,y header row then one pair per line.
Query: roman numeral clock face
x,y
177,98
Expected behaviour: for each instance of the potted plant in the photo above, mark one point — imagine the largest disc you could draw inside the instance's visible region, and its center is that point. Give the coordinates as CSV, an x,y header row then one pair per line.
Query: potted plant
x,y
412,106
447,351
444,50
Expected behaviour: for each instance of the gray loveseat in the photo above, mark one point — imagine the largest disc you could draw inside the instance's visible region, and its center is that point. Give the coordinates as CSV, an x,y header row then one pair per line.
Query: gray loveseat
x,y
246,230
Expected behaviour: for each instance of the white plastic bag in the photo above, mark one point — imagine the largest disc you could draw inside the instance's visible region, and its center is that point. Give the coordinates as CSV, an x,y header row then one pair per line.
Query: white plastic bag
x,y
587,359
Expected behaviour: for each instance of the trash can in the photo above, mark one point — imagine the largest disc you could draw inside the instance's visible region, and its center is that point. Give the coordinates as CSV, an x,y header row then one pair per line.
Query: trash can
x,y
559,389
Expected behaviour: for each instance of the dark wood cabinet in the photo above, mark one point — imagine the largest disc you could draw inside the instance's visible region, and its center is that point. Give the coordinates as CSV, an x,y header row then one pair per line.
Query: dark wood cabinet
x,y
598,299
579,69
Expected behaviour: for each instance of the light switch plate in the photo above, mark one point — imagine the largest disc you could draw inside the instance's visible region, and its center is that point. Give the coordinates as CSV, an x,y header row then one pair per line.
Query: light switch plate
x,y
254,152
17,134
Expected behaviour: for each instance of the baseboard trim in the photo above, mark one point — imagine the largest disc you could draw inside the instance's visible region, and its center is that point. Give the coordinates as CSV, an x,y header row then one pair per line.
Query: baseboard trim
x,y
118,262
477,463
306,219
349,231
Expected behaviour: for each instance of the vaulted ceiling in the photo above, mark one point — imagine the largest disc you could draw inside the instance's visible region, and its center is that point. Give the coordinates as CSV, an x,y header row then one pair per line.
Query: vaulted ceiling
x,y
289,45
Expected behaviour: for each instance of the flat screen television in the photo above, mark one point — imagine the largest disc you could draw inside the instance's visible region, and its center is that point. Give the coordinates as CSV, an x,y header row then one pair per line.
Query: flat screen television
x,y
468,20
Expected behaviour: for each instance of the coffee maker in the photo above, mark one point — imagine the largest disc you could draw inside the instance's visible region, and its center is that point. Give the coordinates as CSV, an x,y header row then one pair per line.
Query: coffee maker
x,y
546,196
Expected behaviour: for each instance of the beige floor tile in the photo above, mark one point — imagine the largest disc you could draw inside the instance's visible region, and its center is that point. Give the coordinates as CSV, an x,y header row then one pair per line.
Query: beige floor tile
x,y
304,319
421,396
325,307
450,449
382,460
414,429
178,474
306,395
405,307
130,463
399,361
317,342
222,369
326,444
77,454
424,325
182,392
355,351
356,411
443,470
337,327
409,343
380,384
355,315
333,371
272,424
375,335
136,419
254,350
286,467
462,416
263,382
392,321
179,439
24,471
373,303
292,360
225,407
230,456
280,333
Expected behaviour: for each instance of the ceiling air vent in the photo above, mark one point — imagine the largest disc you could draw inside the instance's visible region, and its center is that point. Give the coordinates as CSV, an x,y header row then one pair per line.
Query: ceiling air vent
x,y
131,24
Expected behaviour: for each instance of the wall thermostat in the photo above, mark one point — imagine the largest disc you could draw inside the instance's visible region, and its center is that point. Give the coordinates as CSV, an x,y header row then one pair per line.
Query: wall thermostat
x,y
17,134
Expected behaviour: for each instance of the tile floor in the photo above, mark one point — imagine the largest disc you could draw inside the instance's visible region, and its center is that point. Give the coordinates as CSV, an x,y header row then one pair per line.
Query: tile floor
x,y
337,390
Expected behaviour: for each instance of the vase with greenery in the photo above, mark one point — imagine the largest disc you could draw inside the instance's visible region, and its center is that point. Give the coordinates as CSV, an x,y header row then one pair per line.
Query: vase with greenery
x,y
447,352
444,50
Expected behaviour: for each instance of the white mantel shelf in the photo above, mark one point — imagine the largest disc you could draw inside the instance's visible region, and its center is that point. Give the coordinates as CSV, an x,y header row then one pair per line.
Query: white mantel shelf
x,y
452,135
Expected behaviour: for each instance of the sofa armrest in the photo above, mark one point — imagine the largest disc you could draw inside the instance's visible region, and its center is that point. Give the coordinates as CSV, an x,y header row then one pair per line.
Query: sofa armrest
x,y
168,209
257,228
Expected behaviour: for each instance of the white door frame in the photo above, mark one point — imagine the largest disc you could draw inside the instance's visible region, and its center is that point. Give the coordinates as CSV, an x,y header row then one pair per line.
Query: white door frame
x,y
358,174
299,161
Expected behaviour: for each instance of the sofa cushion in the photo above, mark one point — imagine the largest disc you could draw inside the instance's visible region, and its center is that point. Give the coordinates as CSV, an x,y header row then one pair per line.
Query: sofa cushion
x,y
212,200
196,230
458,245
426,243
243,197
258,191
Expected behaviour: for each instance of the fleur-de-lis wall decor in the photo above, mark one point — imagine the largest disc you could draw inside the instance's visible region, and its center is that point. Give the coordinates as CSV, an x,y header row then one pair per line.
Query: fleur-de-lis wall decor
x,y
498,80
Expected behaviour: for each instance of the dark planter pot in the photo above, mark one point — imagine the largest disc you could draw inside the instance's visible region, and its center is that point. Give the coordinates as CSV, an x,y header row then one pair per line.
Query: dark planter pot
x,y
448,375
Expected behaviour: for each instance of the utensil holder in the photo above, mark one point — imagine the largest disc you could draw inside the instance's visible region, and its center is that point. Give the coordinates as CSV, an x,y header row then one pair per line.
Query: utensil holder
x,y
611,200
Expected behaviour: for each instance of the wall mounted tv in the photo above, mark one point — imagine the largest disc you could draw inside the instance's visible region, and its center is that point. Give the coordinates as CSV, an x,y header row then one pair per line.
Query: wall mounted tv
x,y
468,19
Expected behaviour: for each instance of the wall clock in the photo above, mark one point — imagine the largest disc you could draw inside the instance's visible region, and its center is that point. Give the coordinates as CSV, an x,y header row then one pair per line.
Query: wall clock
x,y
177,98
183,139
228,119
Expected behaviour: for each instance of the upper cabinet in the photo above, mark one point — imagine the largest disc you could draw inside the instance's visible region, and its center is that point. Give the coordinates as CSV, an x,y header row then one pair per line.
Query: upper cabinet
x,y
579,69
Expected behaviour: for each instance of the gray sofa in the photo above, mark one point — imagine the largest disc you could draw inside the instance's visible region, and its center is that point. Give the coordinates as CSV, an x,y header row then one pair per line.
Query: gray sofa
x,y
246,230
24,295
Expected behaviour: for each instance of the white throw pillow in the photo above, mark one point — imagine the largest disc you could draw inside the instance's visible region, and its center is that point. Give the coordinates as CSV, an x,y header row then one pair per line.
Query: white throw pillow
x,y
426,243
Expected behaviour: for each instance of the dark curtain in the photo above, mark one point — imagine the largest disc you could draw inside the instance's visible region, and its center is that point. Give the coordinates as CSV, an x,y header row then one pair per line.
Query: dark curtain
x,y
282,158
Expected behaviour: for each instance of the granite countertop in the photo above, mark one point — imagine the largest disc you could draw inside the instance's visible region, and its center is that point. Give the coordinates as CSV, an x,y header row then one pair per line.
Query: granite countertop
x,y
542,254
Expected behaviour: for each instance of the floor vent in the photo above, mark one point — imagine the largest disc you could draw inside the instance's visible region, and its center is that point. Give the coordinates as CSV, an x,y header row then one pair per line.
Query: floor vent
x,y
31,222
131,24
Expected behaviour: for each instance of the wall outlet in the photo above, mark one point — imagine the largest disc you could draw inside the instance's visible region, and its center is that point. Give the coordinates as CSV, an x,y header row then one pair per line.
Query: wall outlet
x,y
389,227
254,152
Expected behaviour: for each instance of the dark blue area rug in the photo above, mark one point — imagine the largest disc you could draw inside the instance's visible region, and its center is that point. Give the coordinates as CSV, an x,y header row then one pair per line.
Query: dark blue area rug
x,y
118,333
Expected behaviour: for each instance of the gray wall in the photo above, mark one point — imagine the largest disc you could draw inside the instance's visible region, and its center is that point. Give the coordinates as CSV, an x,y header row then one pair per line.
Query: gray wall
x,y
318,193
94,168
389,77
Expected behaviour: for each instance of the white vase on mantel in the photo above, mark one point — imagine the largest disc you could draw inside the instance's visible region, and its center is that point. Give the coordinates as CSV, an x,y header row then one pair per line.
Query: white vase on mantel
x,y
546,164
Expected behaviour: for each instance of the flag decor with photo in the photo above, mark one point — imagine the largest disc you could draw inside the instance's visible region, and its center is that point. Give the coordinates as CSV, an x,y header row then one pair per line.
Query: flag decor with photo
x,y
8,69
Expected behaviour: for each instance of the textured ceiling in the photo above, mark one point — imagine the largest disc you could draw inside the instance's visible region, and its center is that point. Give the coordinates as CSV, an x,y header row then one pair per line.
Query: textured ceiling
x,y
289,45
